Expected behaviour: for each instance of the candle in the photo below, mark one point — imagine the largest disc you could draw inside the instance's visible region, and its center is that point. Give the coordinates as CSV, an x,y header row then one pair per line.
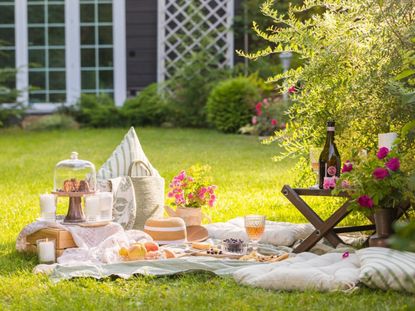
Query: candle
x,y
92,208
46,251
387,140
48,206
105,204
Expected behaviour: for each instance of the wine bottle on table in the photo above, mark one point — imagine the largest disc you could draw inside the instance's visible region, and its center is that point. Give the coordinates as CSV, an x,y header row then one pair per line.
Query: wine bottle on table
x,y
329,161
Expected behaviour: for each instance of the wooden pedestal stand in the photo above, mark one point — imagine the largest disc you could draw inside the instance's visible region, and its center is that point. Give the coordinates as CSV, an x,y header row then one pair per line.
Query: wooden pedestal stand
x,y
75,213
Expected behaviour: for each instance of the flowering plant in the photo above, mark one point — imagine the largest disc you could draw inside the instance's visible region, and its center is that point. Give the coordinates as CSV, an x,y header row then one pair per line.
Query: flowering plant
x,y
192,189
375,181
269,116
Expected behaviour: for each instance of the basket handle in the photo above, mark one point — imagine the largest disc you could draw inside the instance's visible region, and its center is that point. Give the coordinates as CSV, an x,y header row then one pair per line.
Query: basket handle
x,y
142,164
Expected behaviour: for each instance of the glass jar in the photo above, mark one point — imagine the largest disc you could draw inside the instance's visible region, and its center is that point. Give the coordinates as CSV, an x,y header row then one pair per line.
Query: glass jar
x,y
75,175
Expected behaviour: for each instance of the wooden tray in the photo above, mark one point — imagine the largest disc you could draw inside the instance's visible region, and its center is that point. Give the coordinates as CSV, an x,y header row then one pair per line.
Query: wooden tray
x,y
222,256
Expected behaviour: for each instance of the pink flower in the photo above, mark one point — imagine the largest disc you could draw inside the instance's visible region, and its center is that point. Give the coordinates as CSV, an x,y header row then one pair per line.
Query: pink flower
x,y
345,255
393,164
292,89
382,153
254,120
265,101
190,196
380,173
329,183
170,194
202,192
181,176
345,184
283,125
212,200
258,109
273,122
190,179
347,167
365,201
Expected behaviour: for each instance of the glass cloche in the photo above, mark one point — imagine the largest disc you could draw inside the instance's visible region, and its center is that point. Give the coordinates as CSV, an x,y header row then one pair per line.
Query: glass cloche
x,y
75,175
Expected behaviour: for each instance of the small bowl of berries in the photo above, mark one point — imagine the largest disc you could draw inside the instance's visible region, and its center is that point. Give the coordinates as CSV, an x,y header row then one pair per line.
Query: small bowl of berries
x,y
234,246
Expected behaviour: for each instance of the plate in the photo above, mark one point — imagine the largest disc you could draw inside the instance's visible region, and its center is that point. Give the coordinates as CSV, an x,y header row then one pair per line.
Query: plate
x,y
99,223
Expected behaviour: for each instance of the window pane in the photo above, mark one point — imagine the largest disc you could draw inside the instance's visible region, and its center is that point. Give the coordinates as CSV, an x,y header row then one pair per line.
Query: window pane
x,y
88,80
36,36
7,14
57,58
88,57
7,59
87,35
37,98
105,79
57,98
37,79
56,13
105,35
105,12
56,36
87,13
57,80
36,14
105,57
7,36
37,58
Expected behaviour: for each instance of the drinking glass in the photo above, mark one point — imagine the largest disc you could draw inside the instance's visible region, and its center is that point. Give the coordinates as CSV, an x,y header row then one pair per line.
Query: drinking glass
x,y
255,227
314,157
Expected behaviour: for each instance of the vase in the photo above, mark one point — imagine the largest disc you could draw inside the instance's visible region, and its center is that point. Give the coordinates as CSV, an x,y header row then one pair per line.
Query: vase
x,y
384,219
192,216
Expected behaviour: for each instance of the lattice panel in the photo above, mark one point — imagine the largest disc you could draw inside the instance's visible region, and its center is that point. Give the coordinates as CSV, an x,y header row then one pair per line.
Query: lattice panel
x,y
188,25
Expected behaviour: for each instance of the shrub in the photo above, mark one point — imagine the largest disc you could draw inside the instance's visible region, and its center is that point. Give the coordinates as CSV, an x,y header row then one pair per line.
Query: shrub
x,y
52,122
230,104
11,110
97,111
147,108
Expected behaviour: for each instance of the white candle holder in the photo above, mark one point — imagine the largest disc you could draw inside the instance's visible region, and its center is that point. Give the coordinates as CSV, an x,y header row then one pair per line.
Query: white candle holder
x,y
46,251
105,205
48,207
92,210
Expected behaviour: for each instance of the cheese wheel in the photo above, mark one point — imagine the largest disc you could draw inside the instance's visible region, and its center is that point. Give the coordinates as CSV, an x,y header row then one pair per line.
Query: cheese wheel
x,y
170,230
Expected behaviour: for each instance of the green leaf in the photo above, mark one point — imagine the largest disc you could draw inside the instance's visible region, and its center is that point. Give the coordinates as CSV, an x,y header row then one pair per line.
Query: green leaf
x,y
408,98
406,73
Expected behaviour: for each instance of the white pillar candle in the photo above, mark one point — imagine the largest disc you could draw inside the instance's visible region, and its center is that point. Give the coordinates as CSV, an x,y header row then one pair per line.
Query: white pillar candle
x,y
46,251
387,140
105,205
92,210
48,206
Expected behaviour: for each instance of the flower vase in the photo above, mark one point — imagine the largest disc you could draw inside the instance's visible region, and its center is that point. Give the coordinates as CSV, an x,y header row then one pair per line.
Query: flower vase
x,y
192,216
384,219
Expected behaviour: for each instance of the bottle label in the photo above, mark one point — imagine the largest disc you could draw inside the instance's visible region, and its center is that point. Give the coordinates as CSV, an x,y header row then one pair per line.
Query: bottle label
x,y
330,129
331,170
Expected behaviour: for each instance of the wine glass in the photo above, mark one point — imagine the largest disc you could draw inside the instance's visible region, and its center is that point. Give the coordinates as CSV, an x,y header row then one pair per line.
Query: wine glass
x,y
255,227
314,160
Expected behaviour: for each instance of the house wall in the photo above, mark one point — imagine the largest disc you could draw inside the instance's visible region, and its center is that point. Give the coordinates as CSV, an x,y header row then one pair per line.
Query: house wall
x,y
141,33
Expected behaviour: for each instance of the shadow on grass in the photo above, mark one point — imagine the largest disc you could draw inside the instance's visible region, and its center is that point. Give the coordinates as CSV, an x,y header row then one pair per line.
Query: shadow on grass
x,y
12,261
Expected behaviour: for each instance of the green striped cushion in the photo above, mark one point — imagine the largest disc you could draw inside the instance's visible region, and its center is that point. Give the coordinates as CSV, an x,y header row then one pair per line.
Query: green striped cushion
x,y
387,269
128,150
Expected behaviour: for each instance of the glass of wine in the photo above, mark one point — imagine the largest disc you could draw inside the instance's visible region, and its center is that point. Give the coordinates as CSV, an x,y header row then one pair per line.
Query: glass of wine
x,y
314,161
255,227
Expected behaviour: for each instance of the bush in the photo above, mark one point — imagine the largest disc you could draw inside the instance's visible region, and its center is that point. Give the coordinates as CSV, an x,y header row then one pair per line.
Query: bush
x,y
96,111
51,122
11,110
230,104
147,108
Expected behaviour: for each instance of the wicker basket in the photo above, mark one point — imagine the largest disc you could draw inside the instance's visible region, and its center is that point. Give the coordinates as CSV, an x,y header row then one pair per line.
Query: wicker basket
x,y
149,195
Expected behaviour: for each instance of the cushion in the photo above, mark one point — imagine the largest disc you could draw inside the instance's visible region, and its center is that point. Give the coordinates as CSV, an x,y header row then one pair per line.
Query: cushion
x,y
387,269
118,163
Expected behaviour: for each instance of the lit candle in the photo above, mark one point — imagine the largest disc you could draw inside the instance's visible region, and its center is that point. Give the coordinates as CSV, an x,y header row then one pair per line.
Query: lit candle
x,y
105,205
387,140
92,208
46,251
48,206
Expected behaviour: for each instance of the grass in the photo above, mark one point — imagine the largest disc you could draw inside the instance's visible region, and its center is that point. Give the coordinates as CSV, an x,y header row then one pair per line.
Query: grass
x,y
248,182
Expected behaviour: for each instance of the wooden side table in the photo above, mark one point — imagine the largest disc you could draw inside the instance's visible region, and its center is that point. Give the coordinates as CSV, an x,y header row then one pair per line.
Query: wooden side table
x,y
325,228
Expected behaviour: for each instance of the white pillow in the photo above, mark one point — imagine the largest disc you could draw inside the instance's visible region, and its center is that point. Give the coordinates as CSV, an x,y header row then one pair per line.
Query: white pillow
x,y
127,151
387,269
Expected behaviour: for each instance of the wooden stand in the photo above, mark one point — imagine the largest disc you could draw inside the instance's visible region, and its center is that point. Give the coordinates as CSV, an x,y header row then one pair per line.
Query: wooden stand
x,y
75,213
63,239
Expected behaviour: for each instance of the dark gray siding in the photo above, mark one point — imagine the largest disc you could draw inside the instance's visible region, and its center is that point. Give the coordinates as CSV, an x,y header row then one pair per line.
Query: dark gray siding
x,y
141,28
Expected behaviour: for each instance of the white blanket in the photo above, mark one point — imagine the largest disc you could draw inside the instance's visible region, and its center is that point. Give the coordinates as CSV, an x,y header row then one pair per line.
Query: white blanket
x,y
276,233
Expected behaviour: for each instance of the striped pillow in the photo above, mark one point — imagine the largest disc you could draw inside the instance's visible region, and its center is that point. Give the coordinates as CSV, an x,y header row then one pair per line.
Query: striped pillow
x,y
128,150
387,269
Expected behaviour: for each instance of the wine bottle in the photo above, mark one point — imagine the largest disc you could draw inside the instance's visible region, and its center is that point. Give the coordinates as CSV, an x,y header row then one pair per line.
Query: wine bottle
x,y
329,161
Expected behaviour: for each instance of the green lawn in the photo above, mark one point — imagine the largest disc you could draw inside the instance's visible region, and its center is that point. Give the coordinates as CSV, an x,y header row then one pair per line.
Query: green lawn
x,y
248,181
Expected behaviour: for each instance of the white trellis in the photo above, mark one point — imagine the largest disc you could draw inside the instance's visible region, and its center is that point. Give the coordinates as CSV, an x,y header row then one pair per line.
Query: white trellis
x,y
184,24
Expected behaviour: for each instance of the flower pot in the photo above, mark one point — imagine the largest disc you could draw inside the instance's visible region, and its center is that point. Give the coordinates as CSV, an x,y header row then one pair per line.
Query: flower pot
x,y
384,219
192,216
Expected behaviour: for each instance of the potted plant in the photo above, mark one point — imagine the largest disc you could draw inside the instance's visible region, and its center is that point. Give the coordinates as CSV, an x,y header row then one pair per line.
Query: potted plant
x,y
189,192
378,188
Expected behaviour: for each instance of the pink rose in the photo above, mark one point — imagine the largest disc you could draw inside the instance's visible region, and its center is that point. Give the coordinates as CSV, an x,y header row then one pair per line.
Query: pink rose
x,y
170,194
254,120
393,164
202,192
273,122
258,109
347,167
329,183
365,201
380,173
345,184
382,153
291,89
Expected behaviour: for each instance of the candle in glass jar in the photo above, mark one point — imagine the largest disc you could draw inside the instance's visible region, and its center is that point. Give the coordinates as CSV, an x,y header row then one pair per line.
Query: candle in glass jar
x,y
105,204
92,210
46,251
48,206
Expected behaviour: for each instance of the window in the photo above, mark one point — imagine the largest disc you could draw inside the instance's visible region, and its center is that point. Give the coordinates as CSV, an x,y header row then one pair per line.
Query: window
x,y
46,43
96,47
7,39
